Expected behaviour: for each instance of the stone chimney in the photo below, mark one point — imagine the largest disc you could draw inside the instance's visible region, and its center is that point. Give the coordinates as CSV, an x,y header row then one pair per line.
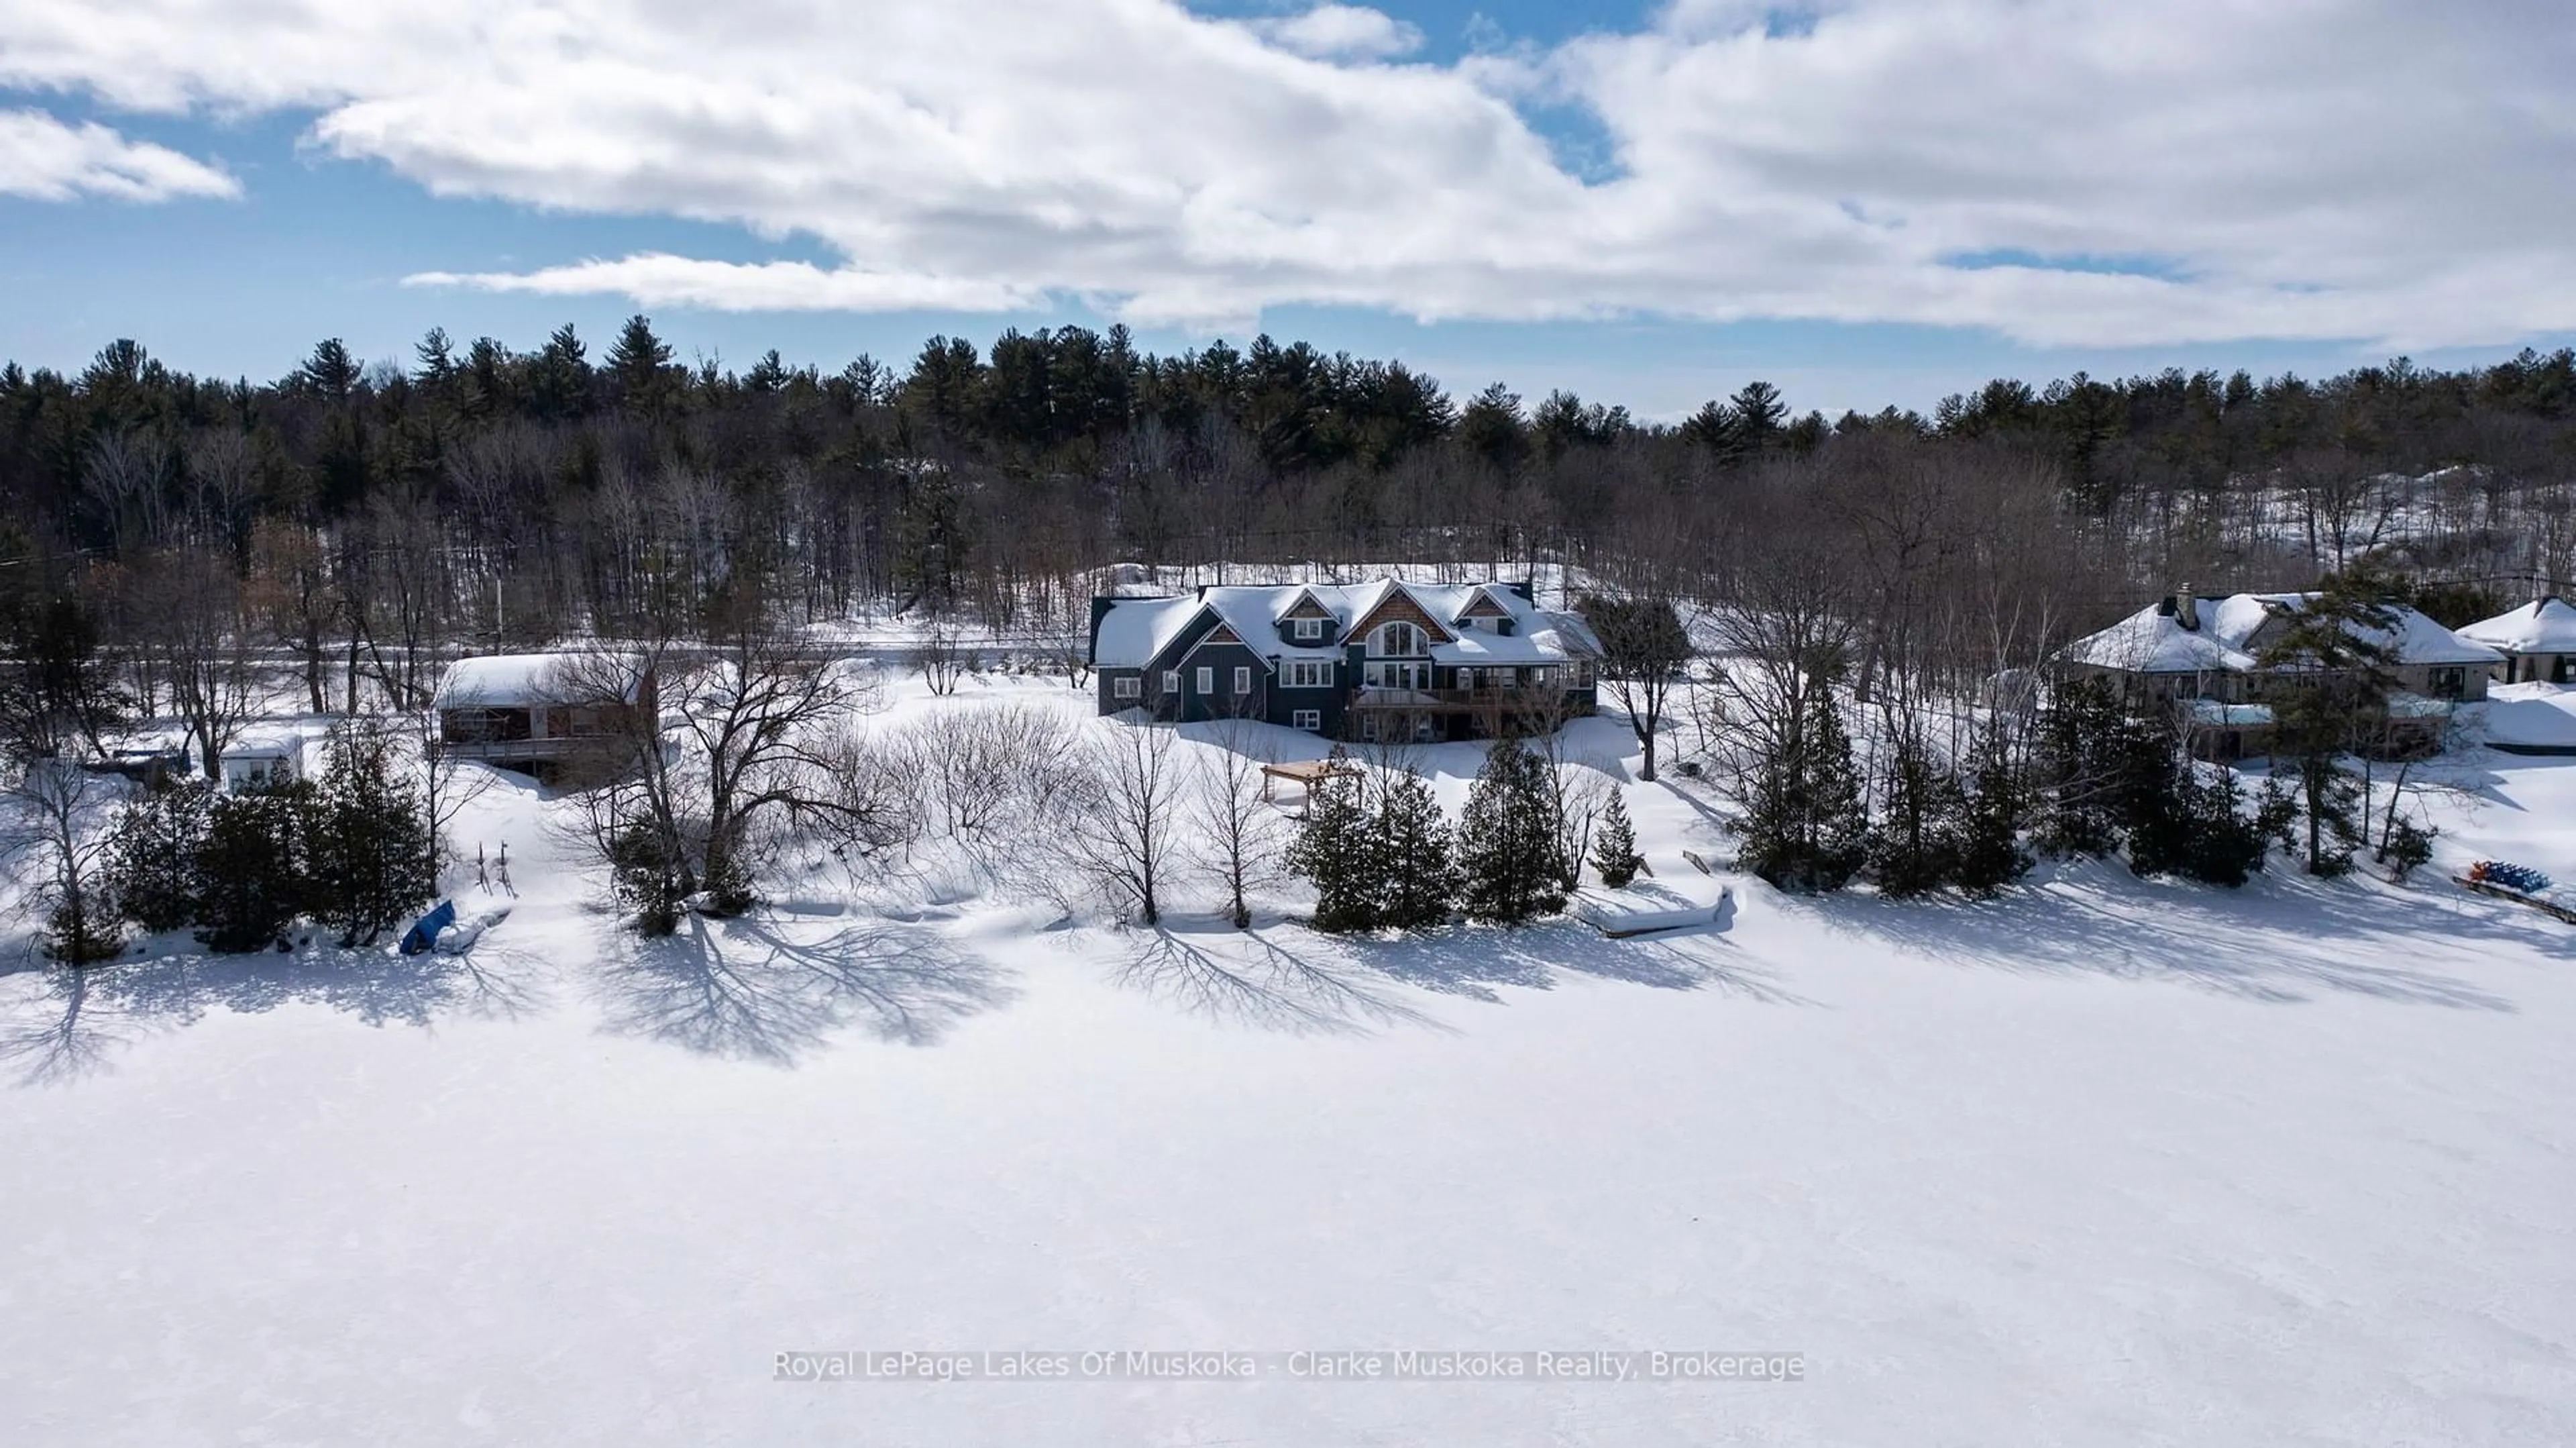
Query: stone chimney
x,y
2186,608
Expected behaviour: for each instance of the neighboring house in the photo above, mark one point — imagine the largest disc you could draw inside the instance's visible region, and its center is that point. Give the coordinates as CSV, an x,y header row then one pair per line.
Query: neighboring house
x,y
2201,655
2538,641
1388,660
257,761
535,711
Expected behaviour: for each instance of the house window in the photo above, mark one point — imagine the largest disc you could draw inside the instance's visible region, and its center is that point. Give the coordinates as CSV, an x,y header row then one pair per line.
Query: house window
x,y
1309,718
1398,640
1397,676
1309,630
1207,680
1171,681
1126,688
1538,678
2450,683
1309,674
1498,678
1242,679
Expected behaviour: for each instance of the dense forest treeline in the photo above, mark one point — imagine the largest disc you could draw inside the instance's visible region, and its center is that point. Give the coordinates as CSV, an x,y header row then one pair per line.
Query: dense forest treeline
x,y
368,517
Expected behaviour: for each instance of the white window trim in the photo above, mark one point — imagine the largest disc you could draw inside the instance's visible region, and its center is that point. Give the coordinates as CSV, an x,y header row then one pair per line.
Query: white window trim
x,y
1126,688
1308,718
1207,680
1171,681
1310,629
1379,637
1309,674
1242,679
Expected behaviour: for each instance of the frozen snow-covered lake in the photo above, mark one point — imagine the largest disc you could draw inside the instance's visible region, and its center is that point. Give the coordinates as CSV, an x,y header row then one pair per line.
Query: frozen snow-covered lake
x,y
2106,1163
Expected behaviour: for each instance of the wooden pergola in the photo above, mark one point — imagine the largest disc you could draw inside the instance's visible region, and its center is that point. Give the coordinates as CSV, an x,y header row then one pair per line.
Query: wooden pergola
x,y
1305,772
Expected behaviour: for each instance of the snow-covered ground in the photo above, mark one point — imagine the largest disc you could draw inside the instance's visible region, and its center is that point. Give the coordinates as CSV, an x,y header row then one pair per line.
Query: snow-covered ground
x,y
2108,1162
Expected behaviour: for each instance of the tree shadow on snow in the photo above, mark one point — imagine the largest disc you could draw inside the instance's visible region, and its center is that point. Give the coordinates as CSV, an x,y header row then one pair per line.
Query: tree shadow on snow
x,y
2276,941
1473,960
747,989
84,1016
1250,977
1291,978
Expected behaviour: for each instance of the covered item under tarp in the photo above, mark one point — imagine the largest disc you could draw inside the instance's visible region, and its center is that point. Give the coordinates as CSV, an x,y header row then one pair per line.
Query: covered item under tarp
x,y
424,932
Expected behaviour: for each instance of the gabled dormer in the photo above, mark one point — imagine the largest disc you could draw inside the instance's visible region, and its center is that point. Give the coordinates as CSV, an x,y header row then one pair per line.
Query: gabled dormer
x,y
1308,623
1485,613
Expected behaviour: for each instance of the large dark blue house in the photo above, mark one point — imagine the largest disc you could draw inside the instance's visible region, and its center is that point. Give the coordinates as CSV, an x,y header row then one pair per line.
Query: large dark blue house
x,y
1388,660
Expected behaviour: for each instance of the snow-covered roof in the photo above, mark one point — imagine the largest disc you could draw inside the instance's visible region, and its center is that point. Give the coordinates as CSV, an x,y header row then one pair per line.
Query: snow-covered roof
x,y
265,744
2154,641
2544,626
1134,631
514,681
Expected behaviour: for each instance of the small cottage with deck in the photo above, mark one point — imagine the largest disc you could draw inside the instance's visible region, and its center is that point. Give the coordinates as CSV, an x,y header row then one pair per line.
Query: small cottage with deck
x,y
1387,661
537,711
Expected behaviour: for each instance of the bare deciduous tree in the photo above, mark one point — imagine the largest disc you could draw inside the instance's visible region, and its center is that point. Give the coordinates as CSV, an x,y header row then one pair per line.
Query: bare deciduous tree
x,y
1122,833
57,841
198,637
1240,837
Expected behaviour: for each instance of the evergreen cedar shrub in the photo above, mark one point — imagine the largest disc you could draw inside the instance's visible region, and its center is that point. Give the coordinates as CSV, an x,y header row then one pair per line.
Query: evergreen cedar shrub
x,y
1417,883
1990,854
2112,779
1614,847
1374,868
83,930
646,878
1806,829
1511,867
372,861
2405,848
154,861
252,868
355,853
1335,852
1913,845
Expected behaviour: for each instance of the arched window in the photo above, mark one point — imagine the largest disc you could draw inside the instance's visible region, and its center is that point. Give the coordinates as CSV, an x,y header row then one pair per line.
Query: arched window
x,y
1398,640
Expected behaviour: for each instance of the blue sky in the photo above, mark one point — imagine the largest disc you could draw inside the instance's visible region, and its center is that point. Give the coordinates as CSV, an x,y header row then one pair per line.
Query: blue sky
x,y
1648,205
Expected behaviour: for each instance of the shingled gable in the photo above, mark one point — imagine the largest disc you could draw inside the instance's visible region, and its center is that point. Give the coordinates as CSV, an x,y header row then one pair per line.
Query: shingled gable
x,y
1187,637
1400,603
1484,605
1307,605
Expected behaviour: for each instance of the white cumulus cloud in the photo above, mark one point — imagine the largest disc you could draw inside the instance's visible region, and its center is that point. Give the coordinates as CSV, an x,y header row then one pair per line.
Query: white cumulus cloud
x,y
2063,171
1354,31
46,159
660,279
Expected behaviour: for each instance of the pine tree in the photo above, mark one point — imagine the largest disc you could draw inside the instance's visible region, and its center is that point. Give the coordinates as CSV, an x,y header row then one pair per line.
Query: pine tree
x,y
1913,846
252,865
2081,741
1806,826
1614,846
1417,879
2335,669
1837,815
1335,850
1991,814
155,861
640,363
2225,846
1510,865
371,857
